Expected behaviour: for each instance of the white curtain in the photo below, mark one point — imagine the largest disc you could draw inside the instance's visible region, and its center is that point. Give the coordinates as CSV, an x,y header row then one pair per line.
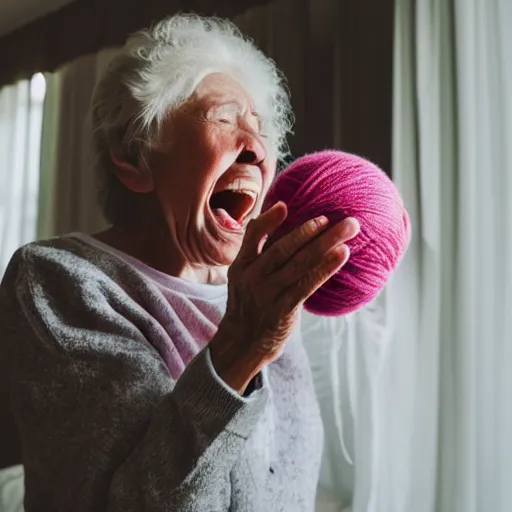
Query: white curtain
x,y
347,355
20,135
21,112
445,413
68,182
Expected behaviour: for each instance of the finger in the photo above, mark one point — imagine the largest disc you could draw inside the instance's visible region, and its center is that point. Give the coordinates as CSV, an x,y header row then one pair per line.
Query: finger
x,y
259,229
279,252
298,293
310,258
351,228
298,252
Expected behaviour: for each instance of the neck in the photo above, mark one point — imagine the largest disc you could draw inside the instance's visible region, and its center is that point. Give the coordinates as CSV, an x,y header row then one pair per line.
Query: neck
x,y
155,248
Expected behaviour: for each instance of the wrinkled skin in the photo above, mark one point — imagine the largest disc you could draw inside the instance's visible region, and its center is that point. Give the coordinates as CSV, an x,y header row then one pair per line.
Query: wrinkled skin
x,y
212,141
214,138
267,288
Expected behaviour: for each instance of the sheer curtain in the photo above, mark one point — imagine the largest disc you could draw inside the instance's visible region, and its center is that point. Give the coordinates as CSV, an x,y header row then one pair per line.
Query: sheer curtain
x,y
21,107
21,111
68,182
445,411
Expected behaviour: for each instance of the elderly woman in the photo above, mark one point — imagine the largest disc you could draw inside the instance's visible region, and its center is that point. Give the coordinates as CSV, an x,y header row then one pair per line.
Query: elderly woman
x,y
158,366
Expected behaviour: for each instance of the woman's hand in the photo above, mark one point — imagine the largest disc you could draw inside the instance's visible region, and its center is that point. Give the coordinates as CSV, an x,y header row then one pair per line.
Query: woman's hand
x,y
267,288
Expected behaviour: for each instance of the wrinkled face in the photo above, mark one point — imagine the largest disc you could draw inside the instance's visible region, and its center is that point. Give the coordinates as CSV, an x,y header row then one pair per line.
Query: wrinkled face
x,y
212,175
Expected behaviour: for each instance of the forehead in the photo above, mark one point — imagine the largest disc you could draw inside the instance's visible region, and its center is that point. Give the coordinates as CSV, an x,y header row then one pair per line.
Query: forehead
x,y
220,87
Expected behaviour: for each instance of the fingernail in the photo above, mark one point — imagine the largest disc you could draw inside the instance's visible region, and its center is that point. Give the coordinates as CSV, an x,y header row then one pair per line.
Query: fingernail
x,y
316,224
353,220
351,227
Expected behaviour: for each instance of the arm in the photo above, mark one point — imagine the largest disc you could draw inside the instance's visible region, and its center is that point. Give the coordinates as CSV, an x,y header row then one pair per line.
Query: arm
x,y
103,425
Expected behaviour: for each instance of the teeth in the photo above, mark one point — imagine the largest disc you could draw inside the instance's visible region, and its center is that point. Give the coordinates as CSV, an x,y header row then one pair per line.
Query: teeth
x,y
238,185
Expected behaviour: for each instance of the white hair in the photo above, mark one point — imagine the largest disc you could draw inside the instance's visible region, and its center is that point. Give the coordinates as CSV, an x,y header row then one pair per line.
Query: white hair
x,y
156,72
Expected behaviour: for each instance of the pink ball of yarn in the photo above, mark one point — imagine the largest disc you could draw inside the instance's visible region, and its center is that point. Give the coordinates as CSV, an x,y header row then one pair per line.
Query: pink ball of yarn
x,y
340,185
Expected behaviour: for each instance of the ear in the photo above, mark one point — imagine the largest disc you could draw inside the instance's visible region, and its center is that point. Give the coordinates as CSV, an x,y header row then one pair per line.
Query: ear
x,y
137,179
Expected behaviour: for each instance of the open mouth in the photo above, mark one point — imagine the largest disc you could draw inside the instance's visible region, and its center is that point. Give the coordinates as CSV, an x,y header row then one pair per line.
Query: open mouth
x,y
231,208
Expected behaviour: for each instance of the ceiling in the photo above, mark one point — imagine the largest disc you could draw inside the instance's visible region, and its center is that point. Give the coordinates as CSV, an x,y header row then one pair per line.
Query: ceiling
x,y
16,13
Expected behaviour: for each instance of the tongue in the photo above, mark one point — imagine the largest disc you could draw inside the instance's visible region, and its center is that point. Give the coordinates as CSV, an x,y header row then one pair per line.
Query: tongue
x,y
225,219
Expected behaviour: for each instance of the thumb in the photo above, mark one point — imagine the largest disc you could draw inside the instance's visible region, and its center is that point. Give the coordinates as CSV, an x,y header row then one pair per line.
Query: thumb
x,y
259,229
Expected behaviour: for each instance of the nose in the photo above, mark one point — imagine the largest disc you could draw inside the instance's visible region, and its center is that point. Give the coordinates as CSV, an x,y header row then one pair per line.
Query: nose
x,y
253,152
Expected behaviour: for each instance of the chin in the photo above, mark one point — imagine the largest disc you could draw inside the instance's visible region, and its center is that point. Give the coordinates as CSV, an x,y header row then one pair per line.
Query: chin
x,y
223,237
223,252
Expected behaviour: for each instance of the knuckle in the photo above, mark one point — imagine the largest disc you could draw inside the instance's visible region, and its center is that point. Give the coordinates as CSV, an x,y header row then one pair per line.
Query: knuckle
x,y
301,262
279,251
306,231
277,254
310,282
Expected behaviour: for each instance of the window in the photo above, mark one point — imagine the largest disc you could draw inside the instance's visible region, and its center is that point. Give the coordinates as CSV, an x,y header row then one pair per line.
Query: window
x,y
21,116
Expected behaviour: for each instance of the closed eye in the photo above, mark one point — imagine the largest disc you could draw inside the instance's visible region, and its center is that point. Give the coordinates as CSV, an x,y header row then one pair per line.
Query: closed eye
x,y
227,114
